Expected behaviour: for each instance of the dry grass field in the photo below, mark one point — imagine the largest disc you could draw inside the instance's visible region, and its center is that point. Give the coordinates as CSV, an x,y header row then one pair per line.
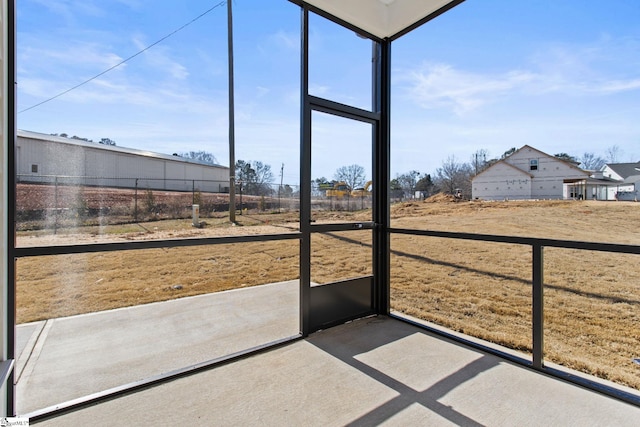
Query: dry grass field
x,y
592,299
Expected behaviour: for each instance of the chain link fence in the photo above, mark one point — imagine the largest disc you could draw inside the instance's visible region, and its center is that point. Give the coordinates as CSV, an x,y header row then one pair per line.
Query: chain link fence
x,y
54,202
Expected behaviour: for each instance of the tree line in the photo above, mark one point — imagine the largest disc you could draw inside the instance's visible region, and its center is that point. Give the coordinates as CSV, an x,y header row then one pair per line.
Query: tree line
x,y
453,175
103,141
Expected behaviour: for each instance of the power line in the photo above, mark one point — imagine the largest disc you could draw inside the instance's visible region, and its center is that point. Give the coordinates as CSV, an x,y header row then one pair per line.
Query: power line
x,y
125,60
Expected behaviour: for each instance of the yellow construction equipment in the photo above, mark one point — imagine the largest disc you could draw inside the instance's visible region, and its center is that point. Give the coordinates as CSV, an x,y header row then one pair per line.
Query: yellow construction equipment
x,y
339,190
362,191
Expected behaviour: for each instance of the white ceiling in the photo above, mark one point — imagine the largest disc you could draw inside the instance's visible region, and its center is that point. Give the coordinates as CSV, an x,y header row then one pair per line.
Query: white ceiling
x,y
382,18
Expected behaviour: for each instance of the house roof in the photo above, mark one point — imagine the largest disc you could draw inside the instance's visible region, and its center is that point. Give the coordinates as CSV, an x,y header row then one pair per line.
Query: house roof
x,y
570,164
383,18
595,181
625,170
633,179
113,148
504,161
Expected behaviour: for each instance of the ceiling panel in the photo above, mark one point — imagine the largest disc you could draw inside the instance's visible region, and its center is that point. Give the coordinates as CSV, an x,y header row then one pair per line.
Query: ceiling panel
x,y
382,18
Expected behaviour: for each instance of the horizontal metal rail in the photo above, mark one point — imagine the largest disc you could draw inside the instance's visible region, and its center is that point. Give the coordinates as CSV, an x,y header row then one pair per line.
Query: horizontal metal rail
x,y
31,251
350,226
342,110
531,241
537,296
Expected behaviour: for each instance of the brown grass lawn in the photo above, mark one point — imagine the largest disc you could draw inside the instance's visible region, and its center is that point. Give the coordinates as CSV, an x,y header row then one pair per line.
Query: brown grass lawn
x,y
592,299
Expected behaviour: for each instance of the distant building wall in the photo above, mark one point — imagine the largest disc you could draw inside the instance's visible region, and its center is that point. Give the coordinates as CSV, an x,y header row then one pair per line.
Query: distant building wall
x,y
548,172
41,158
501,182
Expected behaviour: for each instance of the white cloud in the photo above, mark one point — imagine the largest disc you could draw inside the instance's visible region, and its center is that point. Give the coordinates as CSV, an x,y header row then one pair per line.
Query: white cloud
x,y
443,86
605,66
615,86
262,91
289,41
159,58
563,70
318,90
50,57
69,9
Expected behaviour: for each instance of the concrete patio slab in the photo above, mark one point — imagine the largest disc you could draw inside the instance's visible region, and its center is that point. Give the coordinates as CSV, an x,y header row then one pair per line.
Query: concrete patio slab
x,y
67,358
374,371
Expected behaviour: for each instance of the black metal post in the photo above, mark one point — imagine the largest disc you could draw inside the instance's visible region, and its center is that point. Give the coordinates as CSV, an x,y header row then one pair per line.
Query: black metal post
x,y
381,175
10,317
305,178
538,306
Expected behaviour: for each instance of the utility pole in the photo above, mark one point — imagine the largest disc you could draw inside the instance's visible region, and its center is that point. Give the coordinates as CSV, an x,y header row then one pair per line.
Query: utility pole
x,y
232,143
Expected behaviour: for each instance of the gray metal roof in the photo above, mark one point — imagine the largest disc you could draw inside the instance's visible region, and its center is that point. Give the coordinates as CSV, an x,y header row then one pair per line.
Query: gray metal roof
x,y
113,148
625,170
633,179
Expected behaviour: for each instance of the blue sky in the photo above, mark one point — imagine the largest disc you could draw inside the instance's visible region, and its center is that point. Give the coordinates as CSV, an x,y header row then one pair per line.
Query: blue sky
x,y
559,76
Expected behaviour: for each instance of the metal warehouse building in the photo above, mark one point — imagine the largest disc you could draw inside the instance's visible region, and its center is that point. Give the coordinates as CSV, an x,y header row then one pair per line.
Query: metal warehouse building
x,y
42,158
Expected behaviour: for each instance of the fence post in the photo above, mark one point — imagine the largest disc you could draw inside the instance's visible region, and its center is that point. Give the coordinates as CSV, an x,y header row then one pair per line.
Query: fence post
x,y
135,203
55,206
538,306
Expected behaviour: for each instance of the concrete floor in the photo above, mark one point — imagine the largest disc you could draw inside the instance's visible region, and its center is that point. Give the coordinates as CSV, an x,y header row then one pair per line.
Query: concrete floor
x,y
374,371
67,358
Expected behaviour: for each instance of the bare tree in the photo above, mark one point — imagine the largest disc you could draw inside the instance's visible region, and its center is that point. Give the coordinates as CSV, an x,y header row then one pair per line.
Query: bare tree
x,y
408,181
352,175
592,162
200,156
454,175
426,185
509,152
396,189
256,178
479,160
566,157
107,141
613,154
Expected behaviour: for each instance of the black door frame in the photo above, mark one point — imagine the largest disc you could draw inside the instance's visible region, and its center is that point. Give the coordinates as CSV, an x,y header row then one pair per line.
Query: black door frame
x,y
378,117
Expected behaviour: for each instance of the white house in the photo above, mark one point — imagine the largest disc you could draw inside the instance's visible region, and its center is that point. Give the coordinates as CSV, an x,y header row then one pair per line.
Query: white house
x,y
46,158
625,179
528,173
620,171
